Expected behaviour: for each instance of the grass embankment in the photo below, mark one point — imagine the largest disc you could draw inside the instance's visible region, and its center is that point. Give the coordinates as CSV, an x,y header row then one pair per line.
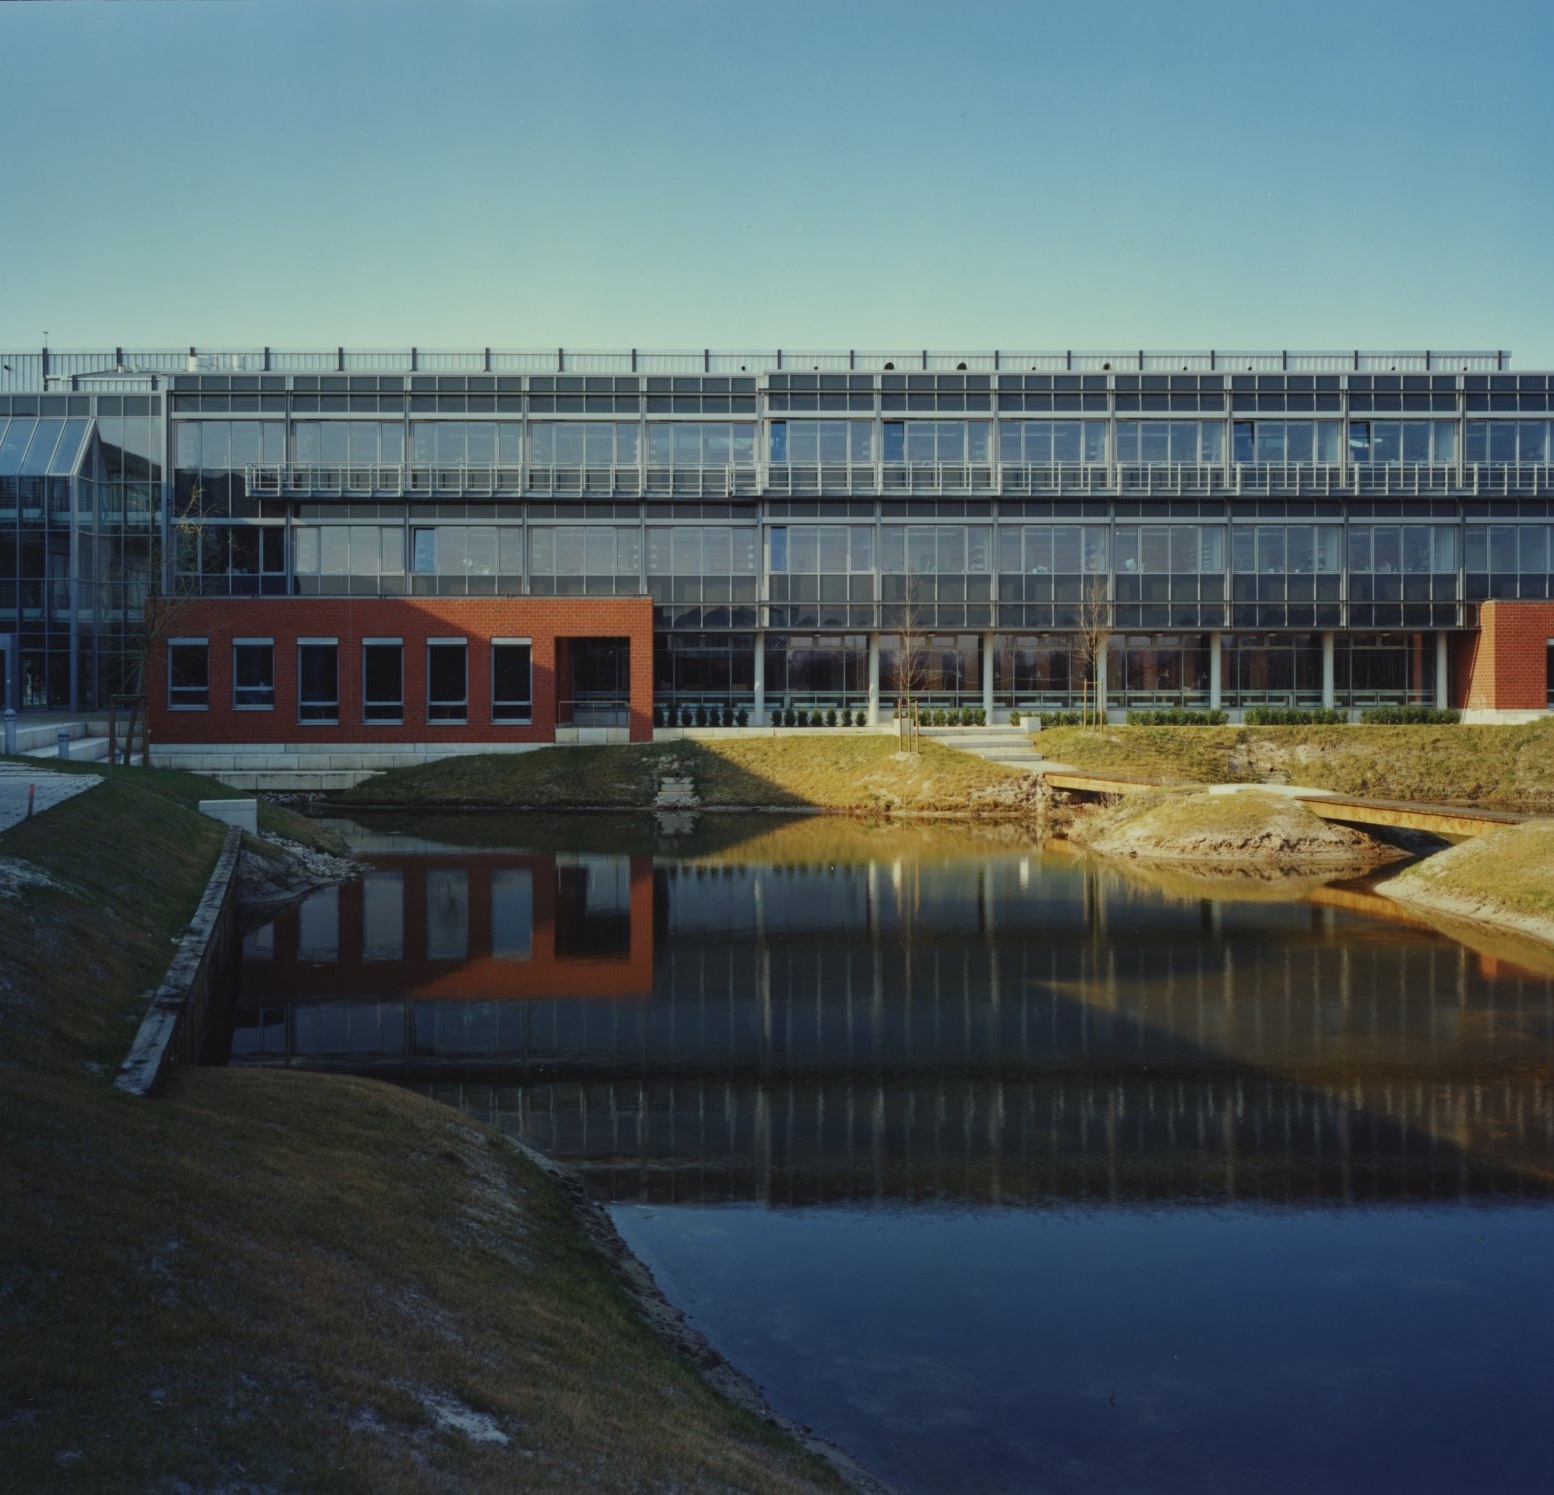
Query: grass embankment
x,y
1511,767
857,774
1247,829
1505,878
271,1280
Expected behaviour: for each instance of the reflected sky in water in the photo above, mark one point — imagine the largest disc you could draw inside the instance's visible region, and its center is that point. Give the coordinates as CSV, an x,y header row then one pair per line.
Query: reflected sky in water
x,y
1001,1169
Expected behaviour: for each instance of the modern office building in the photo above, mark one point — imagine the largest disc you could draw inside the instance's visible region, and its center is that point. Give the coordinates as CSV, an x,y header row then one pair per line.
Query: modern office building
x,y
1344,529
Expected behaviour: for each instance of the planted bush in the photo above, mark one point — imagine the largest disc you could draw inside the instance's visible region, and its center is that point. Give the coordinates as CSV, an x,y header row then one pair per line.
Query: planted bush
x,y
790,718
1061,719
1177,716
1411,716
831,717
1294,716
742,717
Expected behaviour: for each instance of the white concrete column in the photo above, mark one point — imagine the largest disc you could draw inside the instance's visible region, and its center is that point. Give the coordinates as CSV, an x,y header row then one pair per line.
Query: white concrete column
x,y
1216,674
987,678
758,715
1100,678
1442,670
1329,694
874,679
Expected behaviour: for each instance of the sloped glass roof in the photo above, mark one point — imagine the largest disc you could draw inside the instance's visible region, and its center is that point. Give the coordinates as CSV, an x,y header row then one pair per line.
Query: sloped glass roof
x,y
30,447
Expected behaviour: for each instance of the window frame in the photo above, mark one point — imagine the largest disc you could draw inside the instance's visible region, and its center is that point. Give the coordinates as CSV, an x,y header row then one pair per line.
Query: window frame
x,y
436,709
174,702
304,703
497,703
368,719
239,704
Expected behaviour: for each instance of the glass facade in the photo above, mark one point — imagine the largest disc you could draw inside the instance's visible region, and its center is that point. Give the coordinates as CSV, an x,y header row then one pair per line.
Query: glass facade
x,y
806,535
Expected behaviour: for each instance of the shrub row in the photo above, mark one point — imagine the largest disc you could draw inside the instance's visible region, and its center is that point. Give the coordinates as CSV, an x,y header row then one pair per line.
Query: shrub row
x,y
1294,716
1178,716
701,716
1411,716
962,716
1062,719
833,718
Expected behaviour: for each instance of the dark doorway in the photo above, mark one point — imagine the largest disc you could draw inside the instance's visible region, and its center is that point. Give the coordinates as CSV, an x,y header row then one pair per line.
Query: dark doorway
x,y
597,689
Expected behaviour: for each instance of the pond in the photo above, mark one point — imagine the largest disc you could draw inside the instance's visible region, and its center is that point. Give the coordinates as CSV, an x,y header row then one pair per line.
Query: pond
x,y
999,1167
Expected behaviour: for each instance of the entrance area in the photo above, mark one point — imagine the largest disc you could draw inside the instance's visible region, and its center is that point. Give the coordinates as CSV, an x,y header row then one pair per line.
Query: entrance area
x,y
595,678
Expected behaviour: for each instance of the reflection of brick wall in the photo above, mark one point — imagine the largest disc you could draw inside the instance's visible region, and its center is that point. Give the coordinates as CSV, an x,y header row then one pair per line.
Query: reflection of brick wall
x,y
547,621
1505,668
479,974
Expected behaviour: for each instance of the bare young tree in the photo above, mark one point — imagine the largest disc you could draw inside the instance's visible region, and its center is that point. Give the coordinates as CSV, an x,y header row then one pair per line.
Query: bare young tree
x,y
170,582
1091,637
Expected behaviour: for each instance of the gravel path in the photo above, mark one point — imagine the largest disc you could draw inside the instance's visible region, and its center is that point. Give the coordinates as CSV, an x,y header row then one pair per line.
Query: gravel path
x,y
49,790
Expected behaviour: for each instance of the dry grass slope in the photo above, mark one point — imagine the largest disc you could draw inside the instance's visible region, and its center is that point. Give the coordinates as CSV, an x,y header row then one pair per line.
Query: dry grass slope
x,y
1510,767
864,774
1506,878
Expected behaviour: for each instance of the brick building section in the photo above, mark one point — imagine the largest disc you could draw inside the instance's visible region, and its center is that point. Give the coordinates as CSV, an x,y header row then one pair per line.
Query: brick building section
x,y
549,623
1505,666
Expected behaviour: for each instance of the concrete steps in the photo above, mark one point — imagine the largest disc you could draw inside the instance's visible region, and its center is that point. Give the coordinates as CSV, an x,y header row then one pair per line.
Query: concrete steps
x,y
88,744
1007,745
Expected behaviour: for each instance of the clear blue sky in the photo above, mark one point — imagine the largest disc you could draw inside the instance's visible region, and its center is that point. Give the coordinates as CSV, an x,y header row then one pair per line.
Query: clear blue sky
x,y
847,173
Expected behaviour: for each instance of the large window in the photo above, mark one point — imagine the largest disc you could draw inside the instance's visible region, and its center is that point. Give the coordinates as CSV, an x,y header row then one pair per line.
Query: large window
x,y
360,550
457,443
597,559
447,680
1414,548
1508,441
1045,442
253,674
342,443
1301,442
1062,549
1172,441
1179,548
817,441
1277,549
584,443
383,680
188,674
318,681
937,440
1393,441
700,444
512,681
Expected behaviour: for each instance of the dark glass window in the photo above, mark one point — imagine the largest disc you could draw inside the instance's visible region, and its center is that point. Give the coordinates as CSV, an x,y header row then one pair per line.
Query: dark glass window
x,y
512,690
253,674
383,680
318,681
188,674
447,681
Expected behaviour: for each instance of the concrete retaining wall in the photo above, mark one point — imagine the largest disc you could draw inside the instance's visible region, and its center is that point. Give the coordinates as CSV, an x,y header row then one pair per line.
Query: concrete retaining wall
x,y
173,1029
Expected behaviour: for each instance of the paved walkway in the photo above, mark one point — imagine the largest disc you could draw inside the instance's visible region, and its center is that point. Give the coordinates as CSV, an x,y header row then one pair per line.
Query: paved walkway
x,y
49,789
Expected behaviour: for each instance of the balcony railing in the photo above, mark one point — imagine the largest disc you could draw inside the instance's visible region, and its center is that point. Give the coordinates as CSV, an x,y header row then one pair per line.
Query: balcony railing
x,y
871,479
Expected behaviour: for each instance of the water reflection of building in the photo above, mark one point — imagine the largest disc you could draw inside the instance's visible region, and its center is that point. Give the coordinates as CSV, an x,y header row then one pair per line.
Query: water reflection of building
x,y
465,926
1009,1027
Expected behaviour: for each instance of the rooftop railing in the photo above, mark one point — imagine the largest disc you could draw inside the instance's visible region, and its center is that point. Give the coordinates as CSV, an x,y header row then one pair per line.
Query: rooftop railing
x,y
40,368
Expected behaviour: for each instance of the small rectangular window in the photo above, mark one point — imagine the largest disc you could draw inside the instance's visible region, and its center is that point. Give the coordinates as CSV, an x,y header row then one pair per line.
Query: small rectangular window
x,y
318,681
512,688
253,674
447,681
188,674
383,680
424,552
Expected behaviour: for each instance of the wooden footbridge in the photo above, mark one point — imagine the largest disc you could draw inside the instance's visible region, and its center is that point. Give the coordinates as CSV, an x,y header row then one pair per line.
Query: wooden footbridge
x,y
1454,822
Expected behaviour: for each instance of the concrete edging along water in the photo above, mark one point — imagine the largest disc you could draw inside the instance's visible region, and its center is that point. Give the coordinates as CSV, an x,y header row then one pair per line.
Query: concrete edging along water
x,y
173,1028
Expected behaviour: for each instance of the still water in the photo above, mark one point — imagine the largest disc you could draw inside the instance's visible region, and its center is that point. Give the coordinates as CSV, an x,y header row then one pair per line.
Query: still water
x,y
998,1167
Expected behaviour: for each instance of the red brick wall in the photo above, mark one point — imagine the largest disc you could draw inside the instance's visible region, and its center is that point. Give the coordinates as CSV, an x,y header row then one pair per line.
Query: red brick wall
x,y
1507,670
351,619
